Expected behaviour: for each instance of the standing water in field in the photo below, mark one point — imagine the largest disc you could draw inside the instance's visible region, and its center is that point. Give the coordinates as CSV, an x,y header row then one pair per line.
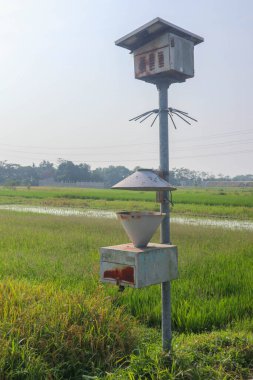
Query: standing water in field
x,y
60,211
228,223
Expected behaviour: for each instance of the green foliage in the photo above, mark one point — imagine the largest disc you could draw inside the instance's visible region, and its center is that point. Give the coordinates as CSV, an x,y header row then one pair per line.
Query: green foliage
x,y
215,266
215,197
214,288
111,175
219,355
57,322
17,174
50,333
66,171
69,172
236,203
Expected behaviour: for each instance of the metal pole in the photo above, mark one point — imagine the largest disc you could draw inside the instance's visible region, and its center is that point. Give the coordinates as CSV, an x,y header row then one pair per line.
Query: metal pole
x,y
165,226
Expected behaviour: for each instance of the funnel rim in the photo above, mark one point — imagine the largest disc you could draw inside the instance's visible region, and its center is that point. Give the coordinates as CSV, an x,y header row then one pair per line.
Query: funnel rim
x,y
141,213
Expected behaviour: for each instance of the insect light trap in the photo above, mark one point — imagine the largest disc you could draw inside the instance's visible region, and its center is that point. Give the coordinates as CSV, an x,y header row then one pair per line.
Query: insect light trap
x,y
163,54
140,263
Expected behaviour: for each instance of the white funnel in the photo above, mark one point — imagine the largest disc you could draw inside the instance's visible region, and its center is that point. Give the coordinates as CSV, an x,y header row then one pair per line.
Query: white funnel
x,y
140,226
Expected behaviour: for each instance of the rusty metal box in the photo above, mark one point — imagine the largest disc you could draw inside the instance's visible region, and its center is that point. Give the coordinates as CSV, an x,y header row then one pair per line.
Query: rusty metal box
x,y
138,267
167,56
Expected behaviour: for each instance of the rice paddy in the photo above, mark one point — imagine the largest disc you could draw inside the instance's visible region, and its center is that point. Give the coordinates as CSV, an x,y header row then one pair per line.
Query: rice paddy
x,y
233,203
59,322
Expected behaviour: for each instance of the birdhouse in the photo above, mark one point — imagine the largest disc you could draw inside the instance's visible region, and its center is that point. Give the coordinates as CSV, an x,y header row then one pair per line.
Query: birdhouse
x,y
162,51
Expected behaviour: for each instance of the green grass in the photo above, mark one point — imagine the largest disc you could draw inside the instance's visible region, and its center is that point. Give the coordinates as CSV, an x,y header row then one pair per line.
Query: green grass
x,y
236,203
213,196
57,321
51,333
217,355
215,281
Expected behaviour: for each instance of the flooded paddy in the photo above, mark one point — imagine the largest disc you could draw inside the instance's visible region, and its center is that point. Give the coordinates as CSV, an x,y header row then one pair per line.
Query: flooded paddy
x,y
224,223
60,211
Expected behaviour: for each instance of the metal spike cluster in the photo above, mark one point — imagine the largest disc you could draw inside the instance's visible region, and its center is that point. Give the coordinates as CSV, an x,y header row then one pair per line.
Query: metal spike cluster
x,y
171,112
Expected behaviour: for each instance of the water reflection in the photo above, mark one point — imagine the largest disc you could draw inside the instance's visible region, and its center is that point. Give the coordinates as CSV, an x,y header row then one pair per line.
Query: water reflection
x,y
60,211
228,223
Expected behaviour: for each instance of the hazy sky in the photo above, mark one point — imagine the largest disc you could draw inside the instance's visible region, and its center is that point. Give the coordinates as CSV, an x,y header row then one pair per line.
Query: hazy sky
x,y
66,90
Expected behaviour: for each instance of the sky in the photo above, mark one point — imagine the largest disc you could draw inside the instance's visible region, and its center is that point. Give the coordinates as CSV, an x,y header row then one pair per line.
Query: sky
x,y
68,92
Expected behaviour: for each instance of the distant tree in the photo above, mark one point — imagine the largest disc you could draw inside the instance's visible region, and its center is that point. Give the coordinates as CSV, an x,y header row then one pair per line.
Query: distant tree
x,y
67,171
20,175
3,173
28,175
186,177
246,177
220,177
97,175
84,172
112,174
14,174
46,170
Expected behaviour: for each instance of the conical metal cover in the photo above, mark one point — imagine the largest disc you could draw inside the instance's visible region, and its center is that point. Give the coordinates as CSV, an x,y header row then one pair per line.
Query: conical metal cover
x,y
140,226
144,179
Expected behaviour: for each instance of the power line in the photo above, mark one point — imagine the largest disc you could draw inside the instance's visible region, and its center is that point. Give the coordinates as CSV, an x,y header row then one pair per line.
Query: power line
x,y
228,143
113,153
216,154
214,136
154,159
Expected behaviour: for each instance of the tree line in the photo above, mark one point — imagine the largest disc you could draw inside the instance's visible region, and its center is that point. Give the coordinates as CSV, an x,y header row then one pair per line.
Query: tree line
x,y
64,172
68,172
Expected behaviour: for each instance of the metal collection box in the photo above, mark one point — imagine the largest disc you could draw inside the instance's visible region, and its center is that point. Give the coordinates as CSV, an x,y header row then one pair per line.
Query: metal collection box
x,y
166,56
127,265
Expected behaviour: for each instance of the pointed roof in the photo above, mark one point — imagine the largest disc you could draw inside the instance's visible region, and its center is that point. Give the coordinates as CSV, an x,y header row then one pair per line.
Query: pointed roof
x,y
151,30
145,180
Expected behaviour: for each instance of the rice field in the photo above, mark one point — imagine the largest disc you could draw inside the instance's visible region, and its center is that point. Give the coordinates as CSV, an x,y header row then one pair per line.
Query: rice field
x,y
231,202
59,322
